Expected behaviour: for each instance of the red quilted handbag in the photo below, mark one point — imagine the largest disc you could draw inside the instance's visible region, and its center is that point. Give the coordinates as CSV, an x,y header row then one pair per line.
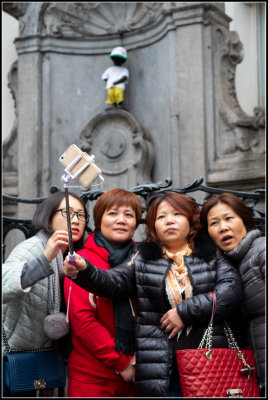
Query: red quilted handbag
x,y
217,372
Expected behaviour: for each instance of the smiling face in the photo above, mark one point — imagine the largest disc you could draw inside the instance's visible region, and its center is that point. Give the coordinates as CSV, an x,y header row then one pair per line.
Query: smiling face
x,y
171,227
118,225
225,227
59,222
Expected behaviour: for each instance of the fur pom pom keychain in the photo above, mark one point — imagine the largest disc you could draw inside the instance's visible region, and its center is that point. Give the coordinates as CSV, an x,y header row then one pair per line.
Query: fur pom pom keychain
x,y
55,325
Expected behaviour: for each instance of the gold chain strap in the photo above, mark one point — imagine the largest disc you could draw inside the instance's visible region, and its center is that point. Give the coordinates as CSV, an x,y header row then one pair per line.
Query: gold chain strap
x,y
206,341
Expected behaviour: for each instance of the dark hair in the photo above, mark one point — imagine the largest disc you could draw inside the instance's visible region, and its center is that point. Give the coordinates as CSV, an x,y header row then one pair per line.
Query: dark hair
x,y
235,203
118,197
185,205
43,216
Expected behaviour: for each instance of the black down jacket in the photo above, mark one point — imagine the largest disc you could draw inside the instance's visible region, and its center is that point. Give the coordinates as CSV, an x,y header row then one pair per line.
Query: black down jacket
x,y
249,257
144,277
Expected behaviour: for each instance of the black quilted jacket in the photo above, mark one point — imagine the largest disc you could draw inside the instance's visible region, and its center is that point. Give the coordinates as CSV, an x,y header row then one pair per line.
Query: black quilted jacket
x,y
144,277
249,257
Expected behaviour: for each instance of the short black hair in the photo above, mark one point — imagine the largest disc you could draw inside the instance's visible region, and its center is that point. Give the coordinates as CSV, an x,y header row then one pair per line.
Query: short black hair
x,y
43,216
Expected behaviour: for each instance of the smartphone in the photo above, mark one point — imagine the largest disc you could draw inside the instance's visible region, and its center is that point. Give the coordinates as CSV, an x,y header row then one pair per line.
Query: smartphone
x,y
75,160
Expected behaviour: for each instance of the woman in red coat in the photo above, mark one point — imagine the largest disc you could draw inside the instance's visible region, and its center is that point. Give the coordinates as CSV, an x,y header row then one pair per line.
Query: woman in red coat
x,y
102,361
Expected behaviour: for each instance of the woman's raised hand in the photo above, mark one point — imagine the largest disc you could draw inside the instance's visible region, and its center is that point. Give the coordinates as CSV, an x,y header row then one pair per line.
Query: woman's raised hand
x,y
58,241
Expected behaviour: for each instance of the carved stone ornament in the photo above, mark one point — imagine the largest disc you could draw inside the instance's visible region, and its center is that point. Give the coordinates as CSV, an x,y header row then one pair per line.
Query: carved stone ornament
x,y
237,130
10,151
121,148
10,148
94,19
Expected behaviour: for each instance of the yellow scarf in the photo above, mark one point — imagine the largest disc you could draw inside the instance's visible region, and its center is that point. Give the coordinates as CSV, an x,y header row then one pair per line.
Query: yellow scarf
x,y
178,285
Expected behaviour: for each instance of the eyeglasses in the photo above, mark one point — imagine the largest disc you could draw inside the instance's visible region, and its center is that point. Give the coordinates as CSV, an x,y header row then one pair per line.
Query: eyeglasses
x,y
80,215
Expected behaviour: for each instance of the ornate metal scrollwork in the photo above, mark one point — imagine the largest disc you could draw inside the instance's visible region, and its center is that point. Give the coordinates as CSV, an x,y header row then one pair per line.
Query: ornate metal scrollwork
x,y
147,192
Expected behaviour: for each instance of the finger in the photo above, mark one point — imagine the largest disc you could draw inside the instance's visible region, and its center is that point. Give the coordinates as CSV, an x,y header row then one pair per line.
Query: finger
x,y
72,269
59,242
165,323
134,359
70,273
173,333
81,264
61,236
61,231
169,327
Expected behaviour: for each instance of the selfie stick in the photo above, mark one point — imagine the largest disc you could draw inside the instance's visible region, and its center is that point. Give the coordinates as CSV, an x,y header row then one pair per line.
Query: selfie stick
x,y
68,175
71,253
65,178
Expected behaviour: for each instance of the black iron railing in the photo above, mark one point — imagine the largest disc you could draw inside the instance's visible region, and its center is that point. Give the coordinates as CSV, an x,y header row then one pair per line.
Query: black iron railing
x,y
147,192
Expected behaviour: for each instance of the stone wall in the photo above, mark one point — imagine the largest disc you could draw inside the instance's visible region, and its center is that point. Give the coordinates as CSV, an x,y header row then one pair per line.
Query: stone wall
x,y
182,118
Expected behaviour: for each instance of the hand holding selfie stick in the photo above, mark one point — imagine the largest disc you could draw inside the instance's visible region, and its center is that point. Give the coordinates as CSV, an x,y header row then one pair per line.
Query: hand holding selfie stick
x,y
68,175
71,253
80,166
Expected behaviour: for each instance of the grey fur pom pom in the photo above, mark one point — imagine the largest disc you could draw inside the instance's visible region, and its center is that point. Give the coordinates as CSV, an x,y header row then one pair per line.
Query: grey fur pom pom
x,y
55,326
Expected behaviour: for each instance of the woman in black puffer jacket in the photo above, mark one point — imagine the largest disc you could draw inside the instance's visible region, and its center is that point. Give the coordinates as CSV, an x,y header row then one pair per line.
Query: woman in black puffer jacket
x,y
230,224
171,275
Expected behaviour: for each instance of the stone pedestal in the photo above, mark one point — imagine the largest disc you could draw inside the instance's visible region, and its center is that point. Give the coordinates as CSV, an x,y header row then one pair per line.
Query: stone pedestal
x,y
181,97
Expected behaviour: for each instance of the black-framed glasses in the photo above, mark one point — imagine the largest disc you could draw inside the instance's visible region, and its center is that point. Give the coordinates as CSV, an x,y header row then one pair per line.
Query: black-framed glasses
x,y
80,215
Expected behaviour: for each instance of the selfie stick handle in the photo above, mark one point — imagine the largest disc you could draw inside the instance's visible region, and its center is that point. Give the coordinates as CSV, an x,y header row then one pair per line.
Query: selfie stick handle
x,y
71,253
72,258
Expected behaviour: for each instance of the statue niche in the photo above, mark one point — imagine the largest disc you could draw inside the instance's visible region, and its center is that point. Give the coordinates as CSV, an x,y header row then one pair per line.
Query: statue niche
x,y
121,148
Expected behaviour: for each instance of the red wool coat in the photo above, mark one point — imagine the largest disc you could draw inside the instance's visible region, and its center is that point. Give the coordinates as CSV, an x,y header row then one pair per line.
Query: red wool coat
x,y
92,327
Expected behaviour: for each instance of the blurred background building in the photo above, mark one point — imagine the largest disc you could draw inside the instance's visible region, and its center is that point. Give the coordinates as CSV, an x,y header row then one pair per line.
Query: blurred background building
x,y
194,103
